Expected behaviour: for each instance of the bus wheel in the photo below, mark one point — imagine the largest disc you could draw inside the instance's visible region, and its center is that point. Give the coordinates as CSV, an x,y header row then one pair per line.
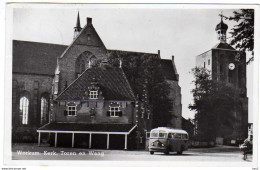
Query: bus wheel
x,y
167,153
179,153
151,152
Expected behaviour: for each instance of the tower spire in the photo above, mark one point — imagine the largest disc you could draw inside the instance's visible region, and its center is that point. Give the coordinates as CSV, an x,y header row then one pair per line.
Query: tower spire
x,y
221,29
78,22
78,28
221,15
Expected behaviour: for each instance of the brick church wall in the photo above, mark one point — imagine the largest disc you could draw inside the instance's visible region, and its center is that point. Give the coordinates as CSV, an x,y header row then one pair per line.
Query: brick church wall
x,y
35,85
175,96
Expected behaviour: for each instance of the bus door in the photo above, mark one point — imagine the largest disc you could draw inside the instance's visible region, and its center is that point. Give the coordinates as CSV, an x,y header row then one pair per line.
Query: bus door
x,y
176,141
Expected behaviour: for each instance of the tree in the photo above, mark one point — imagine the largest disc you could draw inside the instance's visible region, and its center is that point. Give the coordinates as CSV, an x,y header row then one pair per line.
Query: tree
x,y
213,103
243,33
141,69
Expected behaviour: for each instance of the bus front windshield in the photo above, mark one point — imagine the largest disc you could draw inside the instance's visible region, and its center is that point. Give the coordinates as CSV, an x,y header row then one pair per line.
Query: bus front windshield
x,y
158,134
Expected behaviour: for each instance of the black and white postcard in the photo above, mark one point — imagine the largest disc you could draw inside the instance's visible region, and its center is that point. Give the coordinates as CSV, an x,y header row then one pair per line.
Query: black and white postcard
x,y
153,84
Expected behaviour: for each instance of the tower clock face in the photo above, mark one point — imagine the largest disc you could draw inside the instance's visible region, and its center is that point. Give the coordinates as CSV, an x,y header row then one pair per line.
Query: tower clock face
x,y
231,66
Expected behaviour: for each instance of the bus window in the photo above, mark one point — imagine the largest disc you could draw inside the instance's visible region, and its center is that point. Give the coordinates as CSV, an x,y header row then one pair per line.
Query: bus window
x,y
177,136
154,134
184,136
162,135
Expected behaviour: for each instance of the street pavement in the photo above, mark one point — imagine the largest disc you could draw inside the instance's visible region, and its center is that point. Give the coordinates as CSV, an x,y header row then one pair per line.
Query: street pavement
x,y
22,151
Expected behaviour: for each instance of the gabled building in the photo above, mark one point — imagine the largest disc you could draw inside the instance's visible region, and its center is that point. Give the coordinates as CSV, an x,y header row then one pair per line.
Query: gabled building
x,y
90,103
99,102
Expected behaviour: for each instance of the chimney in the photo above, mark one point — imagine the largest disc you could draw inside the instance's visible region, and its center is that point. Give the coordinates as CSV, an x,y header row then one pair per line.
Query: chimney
x,y
159,53
89,21
173,58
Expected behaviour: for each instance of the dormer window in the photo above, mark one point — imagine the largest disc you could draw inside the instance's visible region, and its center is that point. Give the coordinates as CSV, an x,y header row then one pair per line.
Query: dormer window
x,y
71,109
114,110
93,90
93,94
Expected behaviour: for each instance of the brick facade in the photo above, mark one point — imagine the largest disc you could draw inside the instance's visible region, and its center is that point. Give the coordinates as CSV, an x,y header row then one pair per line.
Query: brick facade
x,y
35,86
217,61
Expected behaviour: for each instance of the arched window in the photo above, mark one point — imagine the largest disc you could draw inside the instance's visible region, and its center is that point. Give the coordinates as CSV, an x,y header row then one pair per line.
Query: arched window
x,y
44,110
82,62
93,60
24,109
80,66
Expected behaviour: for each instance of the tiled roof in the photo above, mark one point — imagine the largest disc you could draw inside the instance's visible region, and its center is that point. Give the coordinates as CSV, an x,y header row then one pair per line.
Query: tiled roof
x,y
224,46
168,70
55,126
112,82
35,57
166,65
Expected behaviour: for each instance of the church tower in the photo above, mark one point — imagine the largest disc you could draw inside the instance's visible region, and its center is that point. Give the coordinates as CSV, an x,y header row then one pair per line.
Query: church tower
x,y
78,28
228,65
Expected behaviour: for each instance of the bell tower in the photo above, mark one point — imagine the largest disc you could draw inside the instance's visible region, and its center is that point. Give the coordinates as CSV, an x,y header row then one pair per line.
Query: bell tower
x,y
221,30
78,28
228,66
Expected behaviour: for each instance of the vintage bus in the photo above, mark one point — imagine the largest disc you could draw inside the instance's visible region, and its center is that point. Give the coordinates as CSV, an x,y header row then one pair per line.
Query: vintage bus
x,y
164,139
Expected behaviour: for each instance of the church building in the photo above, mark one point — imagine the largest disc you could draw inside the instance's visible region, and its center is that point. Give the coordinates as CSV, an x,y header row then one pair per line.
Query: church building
x,y
228,65
72,96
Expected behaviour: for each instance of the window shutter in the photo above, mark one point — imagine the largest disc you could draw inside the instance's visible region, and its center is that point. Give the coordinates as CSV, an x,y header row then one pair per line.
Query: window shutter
x,y
120,113
108,113
65,112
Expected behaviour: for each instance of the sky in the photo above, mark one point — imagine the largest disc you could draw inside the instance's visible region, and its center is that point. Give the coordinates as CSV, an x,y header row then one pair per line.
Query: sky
x,y
183,33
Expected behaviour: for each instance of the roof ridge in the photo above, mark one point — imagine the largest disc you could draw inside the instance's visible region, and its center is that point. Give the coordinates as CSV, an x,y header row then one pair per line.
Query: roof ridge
x,y
132,51
38,42
65,51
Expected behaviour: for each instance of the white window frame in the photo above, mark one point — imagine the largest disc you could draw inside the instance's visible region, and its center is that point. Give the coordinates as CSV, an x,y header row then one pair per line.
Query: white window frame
x,y
113,110
71,109
93,94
